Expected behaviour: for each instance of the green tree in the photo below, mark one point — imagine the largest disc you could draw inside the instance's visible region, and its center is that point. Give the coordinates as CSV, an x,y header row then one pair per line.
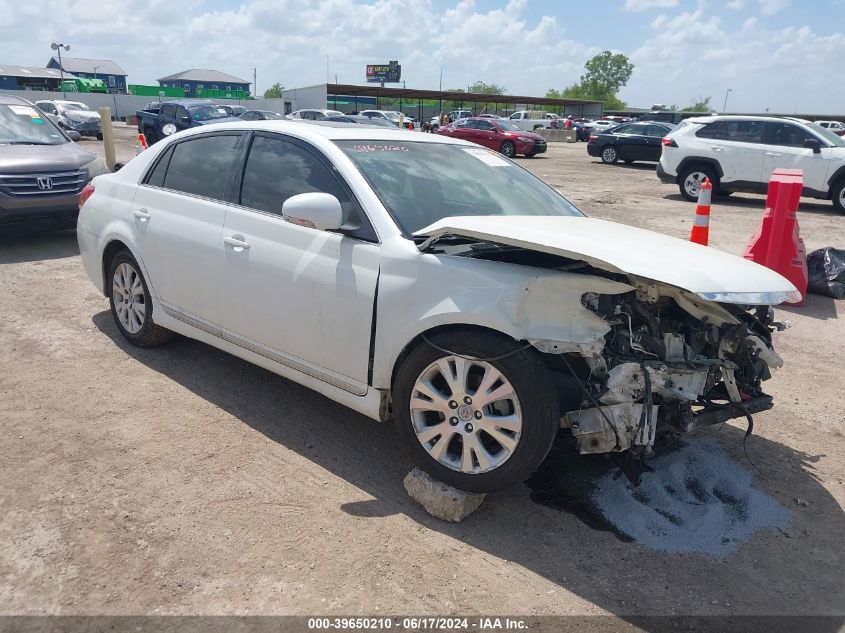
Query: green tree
x,y
274,91
483,88
702,104
605,75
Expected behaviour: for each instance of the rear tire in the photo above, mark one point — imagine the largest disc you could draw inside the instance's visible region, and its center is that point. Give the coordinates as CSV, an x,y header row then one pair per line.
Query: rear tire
x,y
131,303
690,179
150,135
492,444
609,155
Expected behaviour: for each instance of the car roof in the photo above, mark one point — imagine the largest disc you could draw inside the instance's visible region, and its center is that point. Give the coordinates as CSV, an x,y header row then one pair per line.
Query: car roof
x,y
13,99
331,131
710,118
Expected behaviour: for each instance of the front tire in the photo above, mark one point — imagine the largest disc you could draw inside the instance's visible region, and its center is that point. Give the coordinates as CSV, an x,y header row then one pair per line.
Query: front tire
x,y
838,196
689,182
609,155
131,303
508,149
480,413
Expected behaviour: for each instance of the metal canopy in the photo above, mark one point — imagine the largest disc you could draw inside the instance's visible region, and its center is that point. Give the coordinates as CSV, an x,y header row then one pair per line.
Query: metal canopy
x,y
352,90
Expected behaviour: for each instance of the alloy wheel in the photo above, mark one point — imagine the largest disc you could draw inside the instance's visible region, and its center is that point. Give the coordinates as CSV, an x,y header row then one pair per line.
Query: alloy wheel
x,y
608,155
466,414
692,183
129,298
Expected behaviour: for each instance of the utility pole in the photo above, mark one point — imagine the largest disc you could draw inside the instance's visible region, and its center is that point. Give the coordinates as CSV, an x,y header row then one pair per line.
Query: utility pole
x,y
255,82
59,47
725,105
327,68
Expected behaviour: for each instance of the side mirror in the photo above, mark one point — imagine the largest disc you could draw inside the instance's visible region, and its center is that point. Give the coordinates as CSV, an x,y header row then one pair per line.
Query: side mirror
x,y
168,129
73,135
813,144
318,210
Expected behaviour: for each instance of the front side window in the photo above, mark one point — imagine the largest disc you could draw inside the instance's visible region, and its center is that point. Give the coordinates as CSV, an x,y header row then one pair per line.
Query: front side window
x,y
420,183
207,112
484,125
277,169
787,134
201,166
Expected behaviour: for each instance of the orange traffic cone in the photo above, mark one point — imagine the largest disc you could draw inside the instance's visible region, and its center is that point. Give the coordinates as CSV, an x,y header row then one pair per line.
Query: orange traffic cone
x,y
143,141
701,229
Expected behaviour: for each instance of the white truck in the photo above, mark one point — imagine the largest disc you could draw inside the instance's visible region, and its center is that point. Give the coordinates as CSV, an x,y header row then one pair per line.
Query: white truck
x,y
530,120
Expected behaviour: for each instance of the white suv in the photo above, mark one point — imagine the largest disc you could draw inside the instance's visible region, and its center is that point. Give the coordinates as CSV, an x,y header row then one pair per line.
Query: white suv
x,y
739,153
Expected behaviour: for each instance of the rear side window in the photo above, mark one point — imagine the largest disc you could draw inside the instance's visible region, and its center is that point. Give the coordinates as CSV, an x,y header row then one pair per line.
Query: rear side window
x,y
744,131
712,130
656,130
202,166
156,177
168,110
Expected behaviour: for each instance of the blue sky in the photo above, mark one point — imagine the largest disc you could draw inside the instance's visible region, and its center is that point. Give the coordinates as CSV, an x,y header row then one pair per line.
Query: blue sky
x,y
785,55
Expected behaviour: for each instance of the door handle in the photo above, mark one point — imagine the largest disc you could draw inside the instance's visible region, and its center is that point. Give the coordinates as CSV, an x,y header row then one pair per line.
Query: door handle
x,y
141,214
717,149
236,242
771,154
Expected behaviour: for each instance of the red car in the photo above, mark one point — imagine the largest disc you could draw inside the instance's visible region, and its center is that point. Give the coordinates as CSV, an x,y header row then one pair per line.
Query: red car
x,y
500,135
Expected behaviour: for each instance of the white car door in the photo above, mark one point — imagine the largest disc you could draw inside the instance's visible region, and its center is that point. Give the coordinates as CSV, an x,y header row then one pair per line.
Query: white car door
x,y
785,150
177,217
299,295
737,145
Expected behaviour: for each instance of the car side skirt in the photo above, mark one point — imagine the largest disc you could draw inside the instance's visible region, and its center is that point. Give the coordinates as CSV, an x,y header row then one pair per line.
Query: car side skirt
x,y
362,399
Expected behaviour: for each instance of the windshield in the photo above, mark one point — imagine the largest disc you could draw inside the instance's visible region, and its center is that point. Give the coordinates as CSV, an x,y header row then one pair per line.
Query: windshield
x,y
830,137
207,112
393,116
73,106
420,183
272,116
24,125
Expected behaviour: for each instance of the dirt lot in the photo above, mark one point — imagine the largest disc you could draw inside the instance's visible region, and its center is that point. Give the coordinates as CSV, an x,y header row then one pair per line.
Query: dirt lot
x,y
183,480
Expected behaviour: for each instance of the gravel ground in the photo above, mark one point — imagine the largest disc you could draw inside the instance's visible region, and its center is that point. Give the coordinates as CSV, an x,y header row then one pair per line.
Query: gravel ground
x,y
182,480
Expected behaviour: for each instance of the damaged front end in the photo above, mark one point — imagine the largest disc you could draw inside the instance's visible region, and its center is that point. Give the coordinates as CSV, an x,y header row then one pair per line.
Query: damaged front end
x,y
671,364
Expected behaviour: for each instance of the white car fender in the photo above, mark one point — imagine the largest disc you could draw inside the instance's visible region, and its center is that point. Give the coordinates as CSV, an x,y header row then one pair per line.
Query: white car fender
x,y
538,305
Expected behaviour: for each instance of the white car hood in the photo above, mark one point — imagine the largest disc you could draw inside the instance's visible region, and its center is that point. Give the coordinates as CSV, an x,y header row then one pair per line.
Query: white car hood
x,y
710,273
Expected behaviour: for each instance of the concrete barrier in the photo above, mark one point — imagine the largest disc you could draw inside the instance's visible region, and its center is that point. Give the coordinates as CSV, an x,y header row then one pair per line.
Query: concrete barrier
x,y
558,136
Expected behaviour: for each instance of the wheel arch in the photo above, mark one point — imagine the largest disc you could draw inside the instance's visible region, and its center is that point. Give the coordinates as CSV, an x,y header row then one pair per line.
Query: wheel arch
x,y
420,339
834,179
692,161
111,249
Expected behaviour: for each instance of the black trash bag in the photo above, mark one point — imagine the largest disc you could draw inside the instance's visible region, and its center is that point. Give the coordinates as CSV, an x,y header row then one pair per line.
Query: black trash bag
x,y
826,269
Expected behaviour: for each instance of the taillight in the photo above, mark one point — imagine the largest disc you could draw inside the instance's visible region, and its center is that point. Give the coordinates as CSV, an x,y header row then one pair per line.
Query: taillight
x,y
594,137
87,192
668,142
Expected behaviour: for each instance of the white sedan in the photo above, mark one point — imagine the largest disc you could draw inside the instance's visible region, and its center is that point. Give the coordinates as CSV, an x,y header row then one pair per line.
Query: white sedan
x,y
431,282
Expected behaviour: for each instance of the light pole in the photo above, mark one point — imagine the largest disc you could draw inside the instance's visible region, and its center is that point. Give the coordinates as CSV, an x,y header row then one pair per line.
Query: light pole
x,y
95,71
725,105
59,47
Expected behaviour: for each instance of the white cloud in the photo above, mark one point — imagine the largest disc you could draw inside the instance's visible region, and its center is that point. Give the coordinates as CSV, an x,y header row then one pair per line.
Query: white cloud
x,y
686,52
637,6
770,7
696,53
767,7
